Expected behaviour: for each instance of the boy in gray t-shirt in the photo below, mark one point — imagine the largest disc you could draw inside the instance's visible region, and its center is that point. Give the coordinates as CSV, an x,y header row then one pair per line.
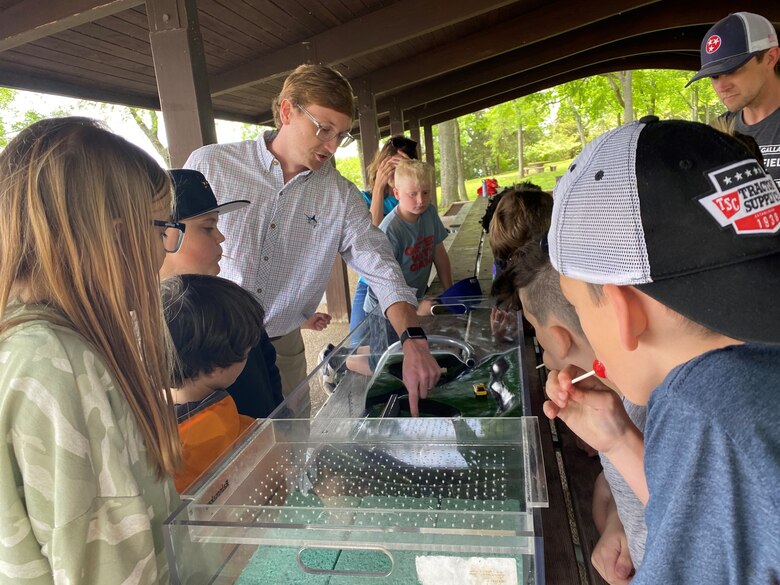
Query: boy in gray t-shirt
x,y
415,230
416,236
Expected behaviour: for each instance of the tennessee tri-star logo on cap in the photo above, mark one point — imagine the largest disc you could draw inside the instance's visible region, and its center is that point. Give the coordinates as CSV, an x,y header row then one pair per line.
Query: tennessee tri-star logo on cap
x,y
713,44
745,198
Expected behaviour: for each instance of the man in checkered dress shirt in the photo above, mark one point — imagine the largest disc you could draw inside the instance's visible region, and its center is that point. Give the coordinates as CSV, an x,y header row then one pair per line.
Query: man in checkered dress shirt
x,y
303,214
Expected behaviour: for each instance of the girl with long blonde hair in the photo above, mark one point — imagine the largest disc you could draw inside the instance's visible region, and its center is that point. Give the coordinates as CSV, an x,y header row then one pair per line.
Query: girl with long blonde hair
x,y
89,439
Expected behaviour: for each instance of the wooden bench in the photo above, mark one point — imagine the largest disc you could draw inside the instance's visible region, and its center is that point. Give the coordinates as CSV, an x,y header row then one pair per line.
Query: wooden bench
x,y
569,534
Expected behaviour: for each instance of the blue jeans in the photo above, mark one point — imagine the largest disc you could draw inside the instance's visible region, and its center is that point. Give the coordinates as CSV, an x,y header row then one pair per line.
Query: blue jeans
x,y
358,314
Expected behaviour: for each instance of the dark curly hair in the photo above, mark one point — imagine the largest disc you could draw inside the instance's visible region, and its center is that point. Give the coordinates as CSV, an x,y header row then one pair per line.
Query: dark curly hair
x,y
213,323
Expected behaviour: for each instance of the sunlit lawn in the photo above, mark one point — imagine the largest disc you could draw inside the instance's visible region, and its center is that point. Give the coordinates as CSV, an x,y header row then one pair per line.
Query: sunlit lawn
x,y
545,180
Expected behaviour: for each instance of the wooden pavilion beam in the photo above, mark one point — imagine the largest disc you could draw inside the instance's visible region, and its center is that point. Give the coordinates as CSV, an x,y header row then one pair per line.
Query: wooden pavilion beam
x,y
546,22
182,82
655,43
549,20
663,61
26,82
621,27
30,20
387,26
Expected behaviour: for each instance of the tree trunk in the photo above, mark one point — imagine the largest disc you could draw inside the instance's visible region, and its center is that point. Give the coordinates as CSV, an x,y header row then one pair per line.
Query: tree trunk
x,y
695,103
623,93
520,161
462,196
578,121
615,88
150,130
448,158
626,78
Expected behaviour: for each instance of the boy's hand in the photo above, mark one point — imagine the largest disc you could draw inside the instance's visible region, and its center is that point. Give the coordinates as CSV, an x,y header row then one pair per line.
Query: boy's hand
x,y
424,307
503,324
592,410
611,558
317,322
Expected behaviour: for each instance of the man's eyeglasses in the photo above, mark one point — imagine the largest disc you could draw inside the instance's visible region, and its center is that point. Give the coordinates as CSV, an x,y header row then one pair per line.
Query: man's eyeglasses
x,y
172,234
325,134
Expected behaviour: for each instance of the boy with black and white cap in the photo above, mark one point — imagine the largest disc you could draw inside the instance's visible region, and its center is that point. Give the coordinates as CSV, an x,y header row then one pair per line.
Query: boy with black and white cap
x,y
667,239
741,57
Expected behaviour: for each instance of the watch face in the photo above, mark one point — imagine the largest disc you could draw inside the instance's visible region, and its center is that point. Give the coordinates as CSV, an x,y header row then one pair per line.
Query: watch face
x,y
415,333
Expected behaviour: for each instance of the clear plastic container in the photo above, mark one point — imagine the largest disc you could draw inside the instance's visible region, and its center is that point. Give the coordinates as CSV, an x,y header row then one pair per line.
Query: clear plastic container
x,y
368,500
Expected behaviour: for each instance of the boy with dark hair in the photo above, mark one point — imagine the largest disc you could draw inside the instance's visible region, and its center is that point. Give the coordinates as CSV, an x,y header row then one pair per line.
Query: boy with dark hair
x,y
213,323
520,216
617,512
666,238
258,389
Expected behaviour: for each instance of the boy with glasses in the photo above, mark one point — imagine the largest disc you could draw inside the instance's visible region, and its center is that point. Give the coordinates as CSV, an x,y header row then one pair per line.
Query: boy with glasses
x,y
303,214
258,389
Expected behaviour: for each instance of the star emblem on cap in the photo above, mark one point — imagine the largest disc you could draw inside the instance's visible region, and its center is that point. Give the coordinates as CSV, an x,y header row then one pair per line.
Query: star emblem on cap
x,y
205,184
713,44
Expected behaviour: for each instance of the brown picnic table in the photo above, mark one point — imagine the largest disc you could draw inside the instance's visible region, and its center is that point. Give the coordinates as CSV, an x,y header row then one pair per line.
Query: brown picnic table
x,y
568,530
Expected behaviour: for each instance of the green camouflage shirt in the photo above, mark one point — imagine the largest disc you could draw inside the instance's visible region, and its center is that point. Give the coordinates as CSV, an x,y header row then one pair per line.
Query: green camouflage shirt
x,y
78,501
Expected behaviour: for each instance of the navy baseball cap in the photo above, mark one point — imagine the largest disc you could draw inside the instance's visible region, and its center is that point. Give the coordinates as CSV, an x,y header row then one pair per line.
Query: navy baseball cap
x,y
194,196
731,43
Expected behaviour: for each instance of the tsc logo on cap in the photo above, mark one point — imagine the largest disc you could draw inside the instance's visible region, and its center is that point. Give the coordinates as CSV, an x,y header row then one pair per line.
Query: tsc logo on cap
x,y
745,198
713,44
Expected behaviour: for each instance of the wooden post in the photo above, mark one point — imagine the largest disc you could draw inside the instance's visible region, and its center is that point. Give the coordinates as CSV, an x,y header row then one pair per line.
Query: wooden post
x,y
396,118
414,132
182,82
429,155
369,131
337,292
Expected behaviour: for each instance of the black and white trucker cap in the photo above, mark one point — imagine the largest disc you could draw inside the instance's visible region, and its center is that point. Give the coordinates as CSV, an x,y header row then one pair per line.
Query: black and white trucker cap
x,y
682,212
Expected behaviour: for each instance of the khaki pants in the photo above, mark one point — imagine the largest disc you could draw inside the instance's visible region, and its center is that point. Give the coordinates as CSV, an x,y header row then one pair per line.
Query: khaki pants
x,y
290,359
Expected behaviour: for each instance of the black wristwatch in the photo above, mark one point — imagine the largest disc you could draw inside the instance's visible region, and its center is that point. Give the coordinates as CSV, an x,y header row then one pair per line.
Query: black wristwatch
x,y
413,333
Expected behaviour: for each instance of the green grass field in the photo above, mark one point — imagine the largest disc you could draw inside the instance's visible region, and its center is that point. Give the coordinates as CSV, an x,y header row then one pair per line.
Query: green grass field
x,y
545,180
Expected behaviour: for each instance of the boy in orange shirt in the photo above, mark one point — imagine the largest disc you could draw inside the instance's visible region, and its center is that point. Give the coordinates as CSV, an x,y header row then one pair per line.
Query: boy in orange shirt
x,y
213,323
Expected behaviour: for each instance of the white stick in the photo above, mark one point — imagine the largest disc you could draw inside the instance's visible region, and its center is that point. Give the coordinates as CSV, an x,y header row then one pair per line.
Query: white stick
x,y
540,366
580,378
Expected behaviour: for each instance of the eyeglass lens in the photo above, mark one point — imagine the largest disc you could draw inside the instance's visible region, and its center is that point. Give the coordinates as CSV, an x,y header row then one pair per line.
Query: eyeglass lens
x,y
172,239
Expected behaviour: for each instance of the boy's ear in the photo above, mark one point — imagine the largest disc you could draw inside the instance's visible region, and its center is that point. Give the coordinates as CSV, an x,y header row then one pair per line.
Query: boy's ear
x,y
395,193
561,342
632,319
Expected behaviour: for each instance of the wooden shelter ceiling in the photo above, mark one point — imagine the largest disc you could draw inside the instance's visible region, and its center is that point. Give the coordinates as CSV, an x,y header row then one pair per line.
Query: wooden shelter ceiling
x,y
434,59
